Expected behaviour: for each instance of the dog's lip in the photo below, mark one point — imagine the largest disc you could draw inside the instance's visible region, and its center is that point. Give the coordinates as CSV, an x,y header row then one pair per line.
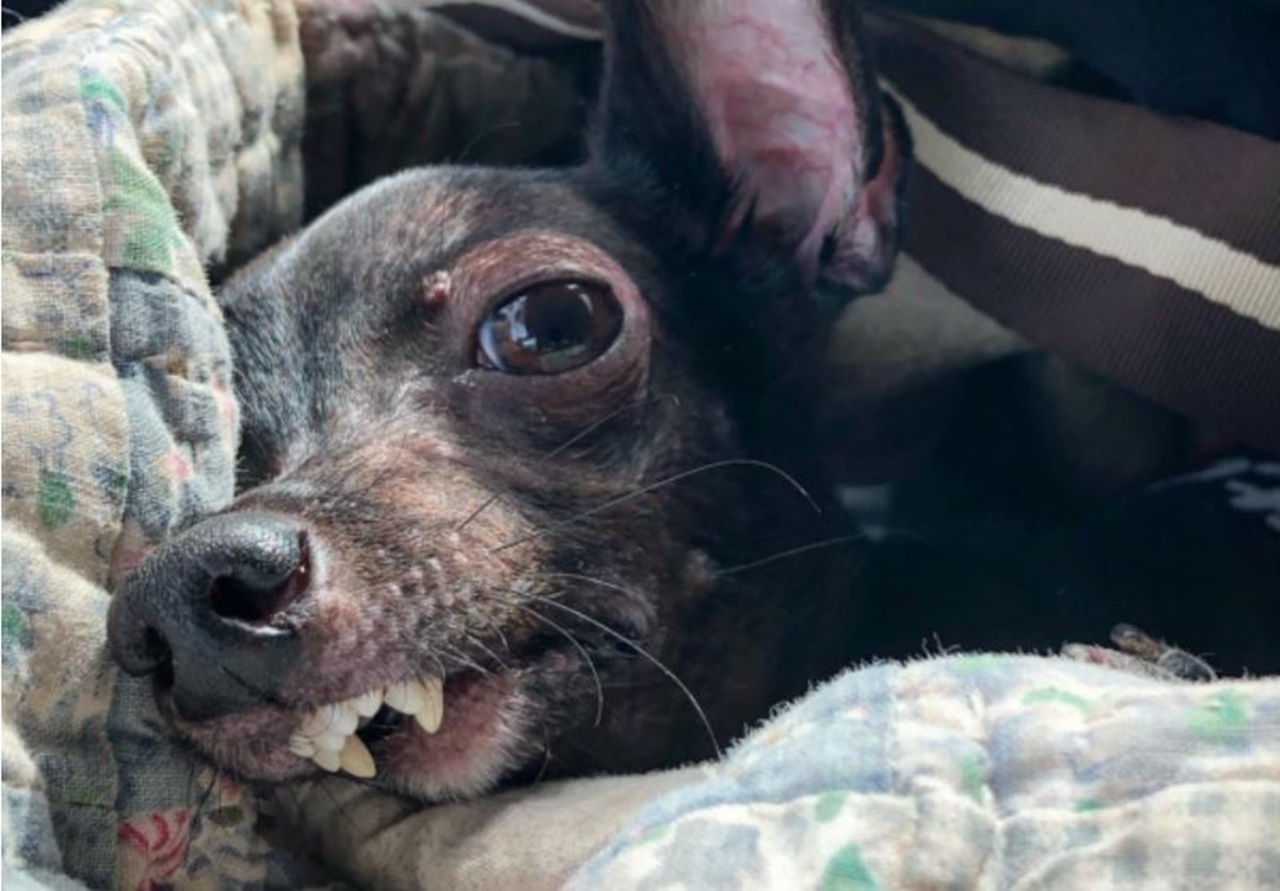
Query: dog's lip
x,y
358,746
489,703
329,734
467,750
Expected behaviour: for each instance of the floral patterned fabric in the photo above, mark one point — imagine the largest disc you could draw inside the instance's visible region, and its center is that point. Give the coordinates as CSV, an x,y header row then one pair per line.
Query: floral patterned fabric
x,y
979,772
145,142
130,163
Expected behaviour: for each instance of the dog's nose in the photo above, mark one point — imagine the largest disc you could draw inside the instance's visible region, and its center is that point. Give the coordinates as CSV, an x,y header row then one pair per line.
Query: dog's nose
x,y
199,613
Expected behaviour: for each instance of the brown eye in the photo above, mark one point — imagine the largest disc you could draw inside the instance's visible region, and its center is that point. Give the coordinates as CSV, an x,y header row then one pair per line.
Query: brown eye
x,y
550,328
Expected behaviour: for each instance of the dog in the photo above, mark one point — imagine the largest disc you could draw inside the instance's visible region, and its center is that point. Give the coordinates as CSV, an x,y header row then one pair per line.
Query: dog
x,y
529,484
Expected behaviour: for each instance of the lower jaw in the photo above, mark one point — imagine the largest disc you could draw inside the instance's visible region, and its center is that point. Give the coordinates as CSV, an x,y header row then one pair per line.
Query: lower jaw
x,y
482,738
491,728
495,729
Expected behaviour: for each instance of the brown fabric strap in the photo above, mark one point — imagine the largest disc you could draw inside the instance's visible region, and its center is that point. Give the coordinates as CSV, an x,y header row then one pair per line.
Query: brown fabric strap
x,y
1145,248
527,25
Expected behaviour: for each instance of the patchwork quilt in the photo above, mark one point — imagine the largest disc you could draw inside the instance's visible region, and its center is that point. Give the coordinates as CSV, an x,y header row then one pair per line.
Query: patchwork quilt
x,y
985,771
149,145
145,144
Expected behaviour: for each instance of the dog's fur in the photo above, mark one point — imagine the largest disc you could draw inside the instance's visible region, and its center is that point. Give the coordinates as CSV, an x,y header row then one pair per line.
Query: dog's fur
x,y
584,554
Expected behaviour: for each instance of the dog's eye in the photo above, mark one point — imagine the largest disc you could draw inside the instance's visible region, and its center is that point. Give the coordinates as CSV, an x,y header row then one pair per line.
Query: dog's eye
x,y
550,328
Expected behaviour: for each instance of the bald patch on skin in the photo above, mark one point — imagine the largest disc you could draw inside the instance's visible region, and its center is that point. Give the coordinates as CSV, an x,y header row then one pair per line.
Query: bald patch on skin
x,y
516,256
433,218
423,579
469,523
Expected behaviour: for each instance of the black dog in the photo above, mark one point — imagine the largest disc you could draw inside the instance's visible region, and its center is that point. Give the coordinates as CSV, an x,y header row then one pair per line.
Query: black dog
x,y
528,455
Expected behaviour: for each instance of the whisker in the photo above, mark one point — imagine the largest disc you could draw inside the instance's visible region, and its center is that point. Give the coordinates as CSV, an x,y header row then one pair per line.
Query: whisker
x,y
485,505
792,552
478,644
483,135
577,644
463,660
604,583
546,755
546,750
650,658
439,664
497,630
573,440
675,478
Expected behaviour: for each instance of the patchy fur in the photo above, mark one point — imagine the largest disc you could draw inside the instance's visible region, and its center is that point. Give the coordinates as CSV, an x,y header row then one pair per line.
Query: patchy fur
x,y
581,555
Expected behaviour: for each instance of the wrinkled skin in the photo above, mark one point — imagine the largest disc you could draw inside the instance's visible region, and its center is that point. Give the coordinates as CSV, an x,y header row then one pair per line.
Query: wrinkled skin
x,y
574,552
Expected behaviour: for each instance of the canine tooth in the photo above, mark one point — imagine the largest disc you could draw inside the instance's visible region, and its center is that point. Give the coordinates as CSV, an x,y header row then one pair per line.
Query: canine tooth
x,y
433,712
356,759
407,697
368,704
302,746
330,761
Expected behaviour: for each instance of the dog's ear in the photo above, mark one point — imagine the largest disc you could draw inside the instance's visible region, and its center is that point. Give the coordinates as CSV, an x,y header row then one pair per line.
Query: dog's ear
x,y
762,122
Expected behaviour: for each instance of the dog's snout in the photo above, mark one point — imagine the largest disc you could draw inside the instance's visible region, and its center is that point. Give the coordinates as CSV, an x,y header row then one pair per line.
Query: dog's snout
x,y
201,613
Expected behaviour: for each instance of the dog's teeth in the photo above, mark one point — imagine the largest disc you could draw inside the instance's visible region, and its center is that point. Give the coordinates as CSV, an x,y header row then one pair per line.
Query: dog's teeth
x,y
356,759
302,746
330,761
331,741
399,698
318,722
432,712
408,697
367,705
346,718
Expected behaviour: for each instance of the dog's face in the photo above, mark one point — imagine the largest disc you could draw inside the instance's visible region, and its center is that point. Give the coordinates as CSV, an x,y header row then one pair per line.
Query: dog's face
x,y
512,438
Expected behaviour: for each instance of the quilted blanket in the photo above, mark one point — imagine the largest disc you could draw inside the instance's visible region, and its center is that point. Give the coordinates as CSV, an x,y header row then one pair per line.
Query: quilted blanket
x,y
979,772
152,143
120,424
146,143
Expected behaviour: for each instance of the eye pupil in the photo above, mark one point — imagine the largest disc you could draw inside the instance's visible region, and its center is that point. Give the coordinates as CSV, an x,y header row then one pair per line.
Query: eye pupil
x,y
550,328
551,321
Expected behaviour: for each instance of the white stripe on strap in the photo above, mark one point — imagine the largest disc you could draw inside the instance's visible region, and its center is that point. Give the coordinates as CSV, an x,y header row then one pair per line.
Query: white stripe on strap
x,y
1223,274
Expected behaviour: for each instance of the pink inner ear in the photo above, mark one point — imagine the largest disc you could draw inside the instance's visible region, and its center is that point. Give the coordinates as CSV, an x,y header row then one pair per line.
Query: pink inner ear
x,y
777,98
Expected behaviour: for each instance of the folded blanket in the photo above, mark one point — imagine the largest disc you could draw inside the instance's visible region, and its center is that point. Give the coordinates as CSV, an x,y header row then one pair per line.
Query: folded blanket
x,y
979,772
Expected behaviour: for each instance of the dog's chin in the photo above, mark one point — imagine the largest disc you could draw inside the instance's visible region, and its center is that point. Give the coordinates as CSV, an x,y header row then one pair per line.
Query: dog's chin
x,y
493,724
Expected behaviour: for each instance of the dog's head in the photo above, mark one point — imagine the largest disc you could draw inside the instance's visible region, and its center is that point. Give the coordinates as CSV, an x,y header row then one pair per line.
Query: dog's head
x,y
513,438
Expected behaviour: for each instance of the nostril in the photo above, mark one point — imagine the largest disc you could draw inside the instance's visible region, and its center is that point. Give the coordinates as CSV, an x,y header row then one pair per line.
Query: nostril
x,y
232,598
248,594
139,647
155,648
160,655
